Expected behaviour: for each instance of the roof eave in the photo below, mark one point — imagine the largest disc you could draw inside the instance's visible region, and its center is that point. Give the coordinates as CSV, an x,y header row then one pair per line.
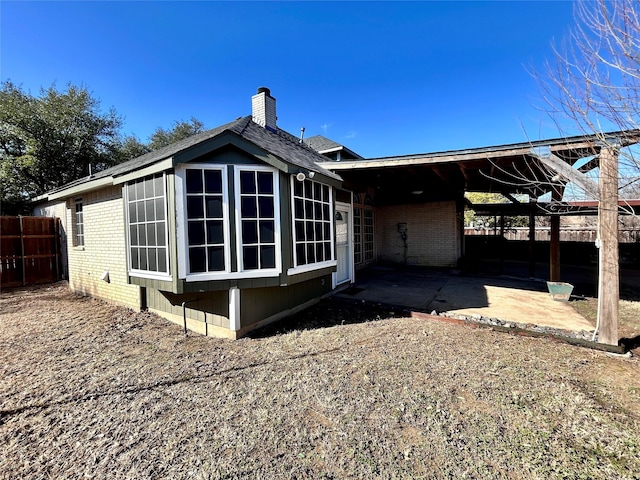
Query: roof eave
x,y
81,188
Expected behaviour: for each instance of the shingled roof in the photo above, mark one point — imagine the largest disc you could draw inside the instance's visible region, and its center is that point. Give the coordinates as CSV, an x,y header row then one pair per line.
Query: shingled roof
x,y
325,146
278,143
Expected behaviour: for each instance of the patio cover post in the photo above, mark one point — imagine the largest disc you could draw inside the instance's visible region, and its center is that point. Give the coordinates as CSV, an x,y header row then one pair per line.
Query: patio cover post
x,y
608,268
554,241
532,236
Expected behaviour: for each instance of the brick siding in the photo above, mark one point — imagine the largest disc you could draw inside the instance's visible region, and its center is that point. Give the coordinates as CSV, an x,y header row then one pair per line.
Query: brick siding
x,y
433,234
104,248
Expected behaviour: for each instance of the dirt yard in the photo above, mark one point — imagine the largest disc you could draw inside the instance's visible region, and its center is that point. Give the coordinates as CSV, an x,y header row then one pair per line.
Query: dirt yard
x,y
89,390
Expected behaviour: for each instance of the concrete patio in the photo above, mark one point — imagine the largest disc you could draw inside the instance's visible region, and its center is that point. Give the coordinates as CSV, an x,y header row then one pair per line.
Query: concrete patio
x,y
511,299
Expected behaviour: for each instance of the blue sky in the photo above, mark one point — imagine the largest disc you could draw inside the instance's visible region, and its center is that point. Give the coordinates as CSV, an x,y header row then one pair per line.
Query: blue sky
x,y
384,78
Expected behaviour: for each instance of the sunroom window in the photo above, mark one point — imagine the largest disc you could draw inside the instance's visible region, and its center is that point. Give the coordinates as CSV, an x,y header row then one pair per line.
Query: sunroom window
x,y
258,219
204,204
312,224
204,222
147,226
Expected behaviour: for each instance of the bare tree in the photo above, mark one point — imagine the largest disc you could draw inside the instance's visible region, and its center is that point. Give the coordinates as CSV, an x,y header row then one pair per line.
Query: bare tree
x,y
592,83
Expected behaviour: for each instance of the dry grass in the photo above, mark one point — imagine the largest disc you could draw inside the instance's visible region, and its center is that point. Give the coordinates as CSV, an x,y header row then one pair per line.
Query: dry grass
x,y
97,391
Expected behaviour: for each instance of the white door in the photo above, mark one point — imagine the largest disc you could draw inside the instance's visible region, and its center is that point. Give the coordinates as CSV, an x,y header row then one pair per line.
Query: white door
x,y
343,245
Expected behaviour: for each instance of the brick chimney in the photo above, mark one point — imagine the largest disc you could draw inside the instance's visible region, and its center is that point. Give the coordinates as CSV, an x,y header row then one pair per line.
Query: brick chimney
x,y
263,109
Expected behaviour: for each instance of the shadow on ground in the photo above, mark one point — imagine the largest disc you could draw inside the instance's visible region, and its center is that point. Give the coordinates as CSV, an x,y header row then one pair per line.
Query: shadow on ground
x,y
329,313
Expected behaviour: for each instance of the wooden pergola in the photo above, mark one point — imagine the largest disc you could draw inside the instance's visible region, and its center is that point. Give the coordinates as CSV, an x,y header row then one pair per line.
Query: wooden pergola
x,y
531,168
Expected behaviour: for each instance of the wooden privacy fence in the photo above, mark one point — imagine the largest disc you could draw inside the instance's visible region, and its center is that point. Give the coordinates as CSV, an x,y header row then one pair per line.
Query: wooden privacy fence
x,y
543,234
29,250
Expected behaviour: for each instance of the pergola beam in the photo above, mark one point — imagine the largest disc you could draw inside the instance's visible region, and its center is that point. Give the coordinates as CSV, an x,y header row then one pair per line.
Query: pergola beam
x,y
567,172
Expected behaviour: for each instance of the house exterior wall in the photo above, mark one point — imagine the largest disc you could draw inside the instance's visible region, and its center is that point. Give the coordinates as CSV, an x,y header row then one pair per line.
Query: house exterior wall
x,y
104,248
433,234
260,306
208,312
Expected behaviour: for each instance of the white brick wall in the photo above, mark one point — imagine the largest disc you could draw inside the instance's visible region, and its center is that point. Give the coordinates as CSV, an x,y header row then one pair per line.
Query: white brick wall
x,y
433,237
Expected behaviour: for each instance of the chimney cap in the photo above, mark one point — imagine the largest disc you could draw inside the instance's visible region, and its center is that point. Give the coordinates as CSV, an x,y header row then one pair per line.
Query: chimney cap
x,y
264,90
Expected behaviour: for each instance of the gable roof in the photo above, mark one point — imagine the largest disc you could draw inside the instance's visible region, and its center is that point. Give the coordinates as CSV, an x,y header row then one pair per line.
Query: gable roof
x,y
323,145
279,144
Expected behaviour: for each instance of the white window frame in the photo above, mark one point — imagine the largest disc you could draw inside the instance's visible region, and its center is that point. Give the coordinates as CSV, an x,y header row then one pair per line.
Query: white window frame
x,y
182,224
78,238
309,267
146,273
267,272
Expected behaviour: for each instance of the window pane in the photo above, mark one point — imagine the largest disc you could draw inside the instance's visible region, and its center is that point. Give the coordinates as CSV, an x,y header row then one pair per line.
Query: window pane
x,y
309,230
197,260
133,217
327,231
162,260
265,182
148,187
152,260
325,193
143,259
325,212
298,189
158,187
133,235
161,239
150,210
327,250
194,181
213,181
214,232
159,208
140,209
301,254
308,209
319,252
317,191
131,191
139,190
299,231
311,253
249,231
298,208
196,233
142,235
266,207
248,207
216,259
267,231
319,231
151,234
135,262
195,208
247,182
250,258
308,189
317,209
268,256
214,206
